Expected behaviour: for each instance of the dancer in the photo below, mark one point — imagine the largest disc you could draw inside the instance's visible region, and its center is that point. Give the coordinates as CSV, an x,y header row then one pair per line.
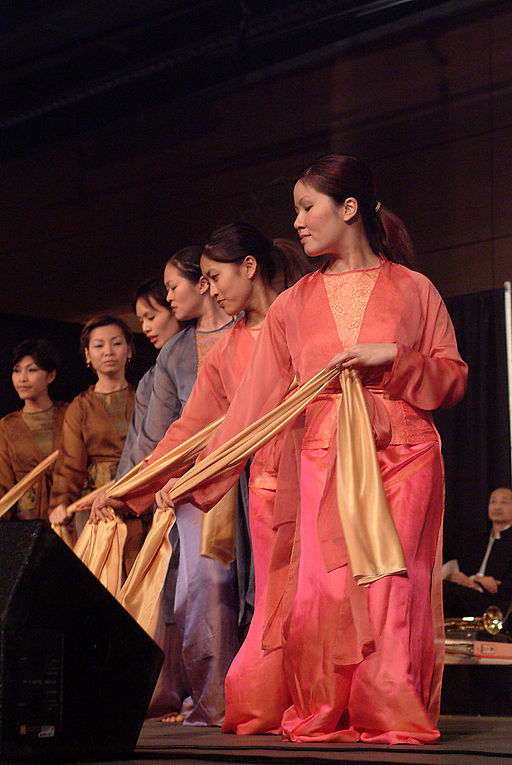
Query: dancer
x,y
242,266
31,434
96,424
199,633
159,324
360,661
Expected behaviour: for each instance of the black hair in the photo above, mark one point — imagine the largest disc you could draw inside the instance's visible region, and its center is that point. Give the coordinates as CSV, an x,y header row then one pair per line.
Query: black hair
x,y
153,289
41,350
278,260
188,262
341,176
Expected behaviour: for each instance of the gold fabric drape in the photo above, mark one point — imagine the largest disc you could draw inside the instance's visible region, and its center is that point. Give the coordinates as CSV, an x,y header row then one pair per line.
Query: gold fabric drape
x,y
372,541
373,545
67,534
218,529
18,490
140,594
100,546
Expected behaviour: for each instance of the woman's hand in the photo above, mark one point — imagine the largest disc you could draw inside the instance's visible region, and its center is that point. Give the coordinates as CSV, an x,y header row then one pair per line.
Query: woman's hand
x,y
365,355
60,516
162,498
102,508
489,583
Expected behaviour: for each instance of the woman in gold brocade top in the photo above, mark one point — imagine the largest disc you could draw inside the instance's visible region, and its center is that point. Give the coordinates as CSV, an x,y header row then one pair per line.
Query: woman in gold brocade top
x,y
30,435
96,424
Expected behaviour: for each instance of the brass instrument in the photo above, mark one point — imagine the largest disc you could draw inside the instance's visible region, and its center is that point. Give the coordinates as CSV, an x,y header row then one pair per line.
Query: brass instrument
x,y
491,622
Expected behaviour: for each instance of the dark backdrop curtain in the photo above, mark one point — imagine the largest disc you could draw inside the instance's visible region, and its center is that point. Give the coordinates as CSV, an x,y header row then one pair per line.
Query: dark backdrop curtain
x,y
72,374
475,433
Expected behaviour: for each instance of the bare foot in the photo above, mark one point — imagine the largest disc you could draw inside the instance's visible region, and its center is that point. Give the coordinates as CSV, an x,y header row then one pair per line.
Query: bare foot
x,y
172,717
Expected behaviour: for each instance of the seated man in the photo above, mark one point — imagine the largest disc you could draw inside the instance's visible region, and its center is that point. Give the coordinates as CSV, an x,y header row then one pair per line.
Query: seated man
x,y
465,595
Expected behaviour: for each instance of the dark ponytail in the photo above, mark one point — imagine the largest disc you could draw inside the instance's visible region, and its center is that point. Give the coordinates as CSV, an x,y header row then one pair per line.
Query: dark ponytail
x,y
281,262
341,176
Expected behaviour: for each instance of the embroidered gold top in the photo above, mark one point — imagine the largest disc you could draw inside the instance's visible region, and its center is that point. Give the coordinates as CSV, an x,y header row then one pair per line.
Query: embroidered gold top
x,y
41,427
115,403
348,293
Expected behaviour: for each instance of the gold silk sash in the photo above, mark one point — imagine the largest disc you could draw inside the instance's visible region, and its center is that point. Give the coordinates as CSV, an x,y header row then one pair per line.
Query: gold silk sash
x,y
94,546
372,540
218,529
181,455
66,531
373,545
140,594
18,490
100,546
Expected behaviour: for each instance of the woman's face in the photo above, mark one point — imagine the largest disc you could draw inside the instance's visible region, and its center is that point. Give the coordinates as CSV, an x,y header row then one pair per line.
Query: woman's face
x,y
29,380
184,297
230,284
158,323
320,222
108,351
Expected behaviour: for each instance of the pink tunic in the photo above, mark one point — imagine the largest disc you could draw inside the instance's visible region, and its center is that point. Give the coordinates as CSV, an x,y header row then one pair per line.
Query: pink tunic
x,y
360,661
221,371
253,671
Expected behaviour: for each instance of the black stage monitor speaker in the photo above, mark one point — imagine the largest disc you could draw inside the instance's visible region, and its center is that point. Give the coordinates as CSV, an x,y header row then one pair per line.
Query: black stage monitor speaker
x,y
77,672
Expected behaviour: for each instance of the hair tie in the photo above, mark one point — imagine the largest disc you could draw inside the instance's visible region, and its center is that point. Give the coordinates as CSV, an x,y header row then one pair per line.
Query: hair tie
x,y
377,207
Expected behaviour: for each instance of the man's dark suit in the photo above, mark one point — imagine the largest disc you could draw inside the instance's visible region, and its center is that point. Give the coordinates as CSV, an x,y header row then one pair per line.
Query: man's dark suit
x,y
463,601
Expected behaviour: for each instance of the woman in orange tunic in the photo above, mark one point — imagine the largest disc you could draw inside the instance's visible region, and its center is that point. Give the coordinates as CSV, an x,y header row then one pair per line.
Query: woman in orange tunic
x,y
33,433
96,424
360,662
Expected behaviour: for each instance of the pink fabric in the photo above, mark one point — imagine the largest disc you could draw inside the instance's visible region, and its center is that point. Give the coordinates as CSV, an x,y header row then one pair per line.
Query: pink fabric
x,y
256,690
253,672
300,337
360,661
382,698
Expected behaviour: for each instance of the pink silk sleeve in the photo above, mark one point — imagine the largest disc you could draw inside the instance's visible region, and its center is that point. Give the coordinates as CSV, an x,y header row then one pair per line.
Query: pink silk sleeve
x,y
265,383
433,375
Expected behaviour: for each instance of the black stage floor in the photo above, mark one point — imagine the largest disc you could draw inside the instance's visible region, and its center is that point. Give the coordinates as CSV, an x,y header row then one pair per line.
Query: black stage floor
x,y
464,741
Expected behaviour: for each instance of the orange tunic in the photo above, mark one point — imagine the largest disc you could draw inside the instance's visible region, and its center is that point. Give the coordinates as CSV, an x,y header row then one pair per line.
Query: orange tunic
x,y
89,439
20,452
91,447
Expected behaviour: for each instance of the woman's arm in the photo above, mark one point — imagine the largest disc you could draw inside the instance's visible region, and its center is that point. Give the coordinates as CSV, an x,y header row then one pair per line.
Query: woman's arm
x,y
264,385
433,374
70,471
206,403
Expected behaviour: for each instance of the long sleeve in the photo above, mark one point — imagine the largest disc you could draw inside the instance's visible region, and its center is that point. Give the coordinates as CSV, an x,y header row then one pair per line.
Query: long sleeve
x,y
7,476
174,377
264,385
142,396
207,402
431,375
70,470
